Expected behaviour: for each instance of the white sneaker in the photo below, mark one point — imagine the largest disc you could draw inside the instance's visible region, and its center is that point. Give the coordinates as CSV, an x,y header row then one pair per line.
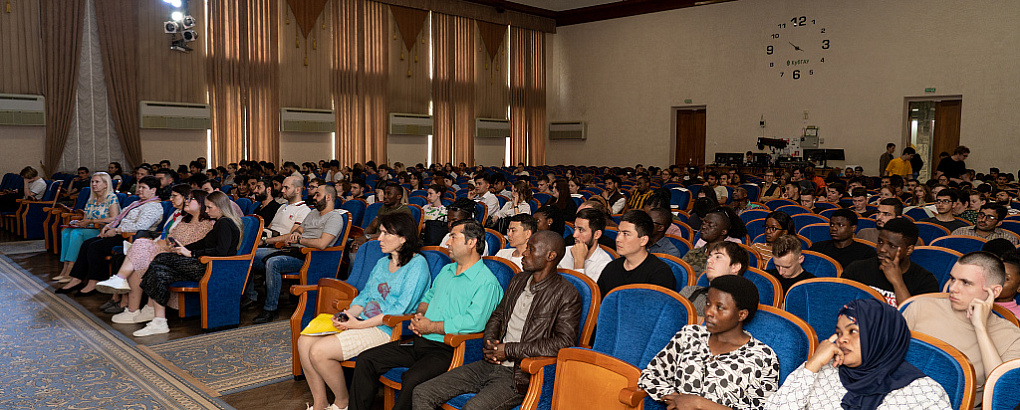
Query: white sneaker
x,y
114,285
155,327
125,317
145,314
334,407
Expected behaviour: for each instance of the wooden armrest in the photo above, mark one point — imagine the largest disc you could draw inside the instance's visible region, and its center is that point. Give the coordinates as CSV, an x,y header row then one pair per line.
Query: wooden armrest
x,y
307,250
297,290
127,235
393,320
279,245
207,259
457,339
632,396
533,364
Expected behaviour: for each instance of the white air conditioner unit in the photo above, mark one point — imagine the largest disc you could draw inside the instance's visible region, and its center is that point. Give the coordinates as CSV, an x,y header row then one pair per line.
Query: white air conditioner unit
x,y
19,109
567,130
410,124
174,116
491,128
307,120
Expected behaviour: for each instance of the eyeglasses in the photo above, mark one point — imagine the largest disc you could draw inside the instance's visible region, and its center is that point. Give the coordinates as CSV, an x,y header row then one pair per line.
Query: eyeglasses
x,y
987,216
772,229
943,201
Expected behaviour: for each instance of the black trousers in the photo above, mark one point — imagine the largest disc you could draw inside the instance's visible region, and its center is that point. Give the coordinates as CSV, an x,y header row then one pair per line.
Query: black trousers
x,y
425,359
92,263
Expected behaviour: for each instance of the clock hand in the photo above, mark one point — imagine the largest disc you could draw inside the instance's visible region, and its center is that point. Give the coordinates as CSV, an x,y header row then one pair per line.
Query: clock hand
x,y
795,46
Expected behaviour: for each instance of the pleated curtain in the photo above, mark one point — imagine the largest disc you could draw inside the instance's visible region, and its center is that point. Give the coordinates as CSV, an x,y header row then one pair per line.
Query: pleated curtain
x,y
61,27
453,88
243,73
527,96
360,87
117,27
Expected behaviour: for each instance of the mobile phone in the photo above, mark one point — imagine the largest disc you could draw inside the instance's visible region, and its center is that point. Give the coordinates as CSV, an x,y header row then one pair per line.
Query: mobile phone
x,y
173,242
341,316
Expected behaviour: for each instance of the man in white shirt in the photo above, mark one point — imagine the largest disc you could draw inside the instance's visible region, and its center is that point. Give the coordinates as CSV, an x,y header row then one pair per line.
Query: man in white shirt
x,y
481,194
291,213
517,235
585,256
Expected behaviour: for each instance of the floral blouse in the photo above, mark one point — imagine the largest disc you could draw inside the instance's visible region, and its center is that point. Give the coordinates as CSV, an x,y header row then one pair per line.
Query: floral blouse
x,y
741,379
99,209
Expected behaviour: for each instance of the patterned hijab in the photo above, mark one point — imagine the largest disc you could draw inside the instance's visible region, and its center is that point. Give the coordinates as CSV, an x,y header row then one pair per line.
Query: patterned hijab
x,y
884,342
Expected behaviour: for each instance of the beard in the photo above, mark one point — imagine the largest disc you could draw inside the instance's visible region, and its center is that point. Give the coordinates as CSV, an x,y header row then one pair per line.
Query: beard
x,y
261,197
321,205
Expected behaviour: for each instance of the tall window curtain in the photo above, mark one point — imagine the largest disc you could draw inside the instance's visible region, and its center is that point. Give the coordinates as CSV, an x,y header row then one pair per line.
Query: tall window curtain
x,y
117,27
527,96
453,88
361,52
61,43
244,83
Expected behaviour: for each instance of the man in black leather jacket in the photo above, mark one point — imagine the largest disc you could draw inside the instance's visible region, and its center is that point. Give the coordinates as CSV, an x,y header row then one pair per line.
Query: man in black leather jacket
x,y
540,314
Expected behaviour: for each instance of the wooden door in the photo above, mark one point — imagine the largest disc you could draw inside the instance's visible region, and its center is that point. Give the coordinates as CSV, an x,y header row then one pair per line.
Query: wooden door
x,y
690,137
946,135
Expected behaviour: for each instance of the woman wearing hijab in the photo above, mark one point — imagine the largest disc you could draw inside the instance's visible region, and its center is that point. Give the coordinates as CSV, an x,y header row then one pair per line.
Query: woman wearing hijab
x,y
868,368
716,365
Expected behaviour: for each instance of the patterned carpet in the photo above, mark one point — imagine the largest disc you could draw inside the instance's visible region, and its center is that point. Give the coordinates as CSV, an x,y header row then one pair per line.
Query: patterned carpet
x,y
55,355
16,248
234,360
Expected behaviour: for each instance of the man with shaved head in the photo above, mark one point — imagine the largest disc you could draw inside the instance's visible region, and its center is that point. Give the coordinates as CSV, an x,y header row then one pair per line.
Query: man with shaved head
x,y
540,314
662,219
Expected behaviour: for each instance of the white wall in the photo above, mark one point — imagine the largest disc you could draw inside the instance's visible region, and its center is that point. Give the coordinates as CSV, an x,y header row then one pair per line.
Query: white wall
x,y
21,147
305,147
178,146
409,149
490,151
623,76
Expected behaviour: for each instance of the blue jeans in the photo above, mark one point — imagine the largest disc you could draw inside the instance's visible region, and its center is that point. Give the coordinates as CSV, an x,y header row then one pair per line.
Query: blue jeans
x,y
274,267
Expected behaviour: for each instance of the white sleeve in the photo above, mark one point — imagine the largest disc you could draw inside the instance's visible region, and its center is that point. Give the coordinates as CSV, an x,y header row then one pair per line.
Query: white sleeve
x,y
795,392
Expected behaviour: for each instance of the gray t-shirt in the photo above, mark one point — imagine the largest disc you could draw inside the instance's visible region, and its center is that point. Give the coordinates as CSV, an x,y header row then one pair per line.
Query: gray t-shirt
x,y
515,326
316,224
698,297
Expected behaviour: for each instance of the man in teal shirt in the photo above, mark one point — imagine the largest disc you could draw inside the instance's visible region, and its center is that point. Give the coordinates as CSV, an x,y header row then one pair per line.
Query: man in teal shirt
x,y
461,299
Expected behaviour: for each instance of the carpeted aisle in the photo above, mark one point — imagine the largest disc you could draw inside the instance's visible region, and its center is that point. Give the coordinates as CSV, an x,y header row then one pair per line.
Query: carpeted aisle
x,y
55,355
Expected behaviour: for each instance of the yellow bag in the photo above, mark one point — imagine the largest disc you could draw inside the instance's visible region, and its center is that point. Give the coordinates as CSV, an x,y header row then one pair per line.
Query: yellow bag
x,y
320,326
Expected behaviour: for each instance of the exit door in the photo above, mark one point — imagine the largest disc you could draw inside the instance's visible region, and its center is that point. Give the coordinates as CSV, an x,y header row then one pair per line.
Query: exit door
x,y
933,126
690,136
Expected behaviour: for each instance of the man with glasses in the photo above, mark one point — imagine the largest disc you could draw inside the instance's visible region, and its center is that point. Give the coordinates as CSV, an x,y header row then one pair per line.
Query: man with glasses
x,y
770,189
945,202
988,225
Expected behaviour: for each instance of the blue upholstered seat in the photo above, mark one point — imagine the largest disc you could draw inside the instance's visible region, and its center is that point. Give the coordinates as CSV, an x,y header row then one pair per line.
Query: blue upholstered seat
x,y
946,365
815,232
937,260
818,301
791,338
357,209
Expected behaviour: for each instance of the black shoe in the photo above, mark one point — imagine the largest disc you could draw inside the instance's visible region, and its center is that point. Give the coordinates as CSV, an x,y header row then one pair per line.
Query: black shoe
x,y
70,289
248,303
115,309
108,305
265,317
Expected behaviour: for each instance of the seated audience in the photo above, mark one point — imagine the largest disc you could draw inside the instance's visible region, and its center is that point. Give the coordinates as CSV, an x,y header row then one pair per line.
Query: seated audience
x,y
182,262
724,258
714,229
641,192
540,314
988,225
712,181
657,241
265,197
33,190
395,285
787,256
635,264
434,210
459,210
842,247
359,190
520,230
482,195
549,218
102,207
859,203
964,319
616,199
945,202
585,255
461,299
717,364
770,189
777,224
888,209
393,196
562,200
862,366
518,204
891,272
740,201
291,212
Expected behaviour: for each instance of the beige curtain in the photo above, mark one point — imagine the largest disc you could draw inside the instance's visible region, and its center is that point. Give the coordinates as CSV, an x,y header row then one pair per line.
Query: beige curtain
x,y
492,95
20,49
117,25
409,82
453,89
361,52
244,80
527,96
61,26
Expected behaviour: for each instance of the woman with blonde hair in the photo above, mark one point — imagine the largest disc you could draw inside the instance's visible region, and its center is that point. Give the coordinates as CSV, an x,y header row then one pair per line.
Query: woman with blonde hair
x,y
102,207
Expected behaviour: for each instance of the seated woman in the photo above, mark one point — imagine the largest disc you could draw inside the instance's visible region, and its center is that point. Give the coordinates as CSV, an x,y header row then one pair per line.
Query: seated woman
x,y
182,263
518,204
716,365
575,186
868,369
394,287
102,207
434,210
562,200
776,224
185,228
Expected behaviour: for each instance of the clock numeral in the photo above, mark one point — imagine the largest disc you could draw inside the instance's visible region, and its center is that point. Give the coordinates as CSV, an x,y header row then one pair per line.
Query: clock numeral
x,y
781,73
823,31
812,22
775,35
823,59
781,25
796,74
800,21
811,72
772,65
825,44
769,50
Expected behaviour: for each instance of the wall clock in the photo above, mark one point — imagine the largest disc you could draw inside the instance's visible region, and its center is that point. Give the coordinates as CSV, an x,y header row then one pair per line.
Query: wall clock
x,y
796,48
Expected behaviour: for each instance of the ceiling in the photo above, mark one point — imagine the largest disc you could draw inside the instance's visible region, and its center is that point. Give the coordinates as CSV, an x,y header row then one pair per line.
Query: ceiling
x,y
561,5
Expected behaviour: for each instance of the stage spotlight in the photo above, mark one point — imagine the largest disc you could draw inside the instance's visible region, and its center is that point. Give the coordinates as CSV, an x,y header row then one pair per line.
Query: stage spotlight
x,y
175,3
188,22
189,35
171,27
176,16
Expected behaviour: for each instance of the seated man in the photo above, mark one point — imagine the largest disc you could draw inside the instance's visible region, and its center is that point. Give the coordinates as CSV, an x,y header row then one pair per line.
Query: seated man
x,y
725,258
859,202
265,197
842,247
318,230
482,194
988,225
462,298
462,209
787,257
635,264
539,315
945,201
393,195
520,230
291,213
1011,284
740,201
658,242
616,199
964,319
888,209
585,256
212,185
358,191
892,273
715,228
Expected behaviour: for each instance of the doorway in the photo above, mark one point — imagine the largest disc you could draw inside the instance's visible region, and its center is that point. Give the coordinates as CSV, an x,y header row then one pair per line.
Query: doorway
x,y
933,126
689,126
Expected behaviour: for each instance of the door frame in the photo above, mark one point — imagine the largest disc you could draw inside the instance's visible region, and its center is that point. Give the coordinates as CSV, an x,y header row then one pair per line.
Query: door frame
x,y
672,126
905,124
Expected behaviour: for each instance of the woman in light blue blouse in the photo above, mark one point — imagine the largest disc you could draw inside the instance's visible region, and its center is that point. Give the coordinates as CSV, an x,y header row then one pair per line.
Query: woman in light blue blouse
x,y
394,287
101,207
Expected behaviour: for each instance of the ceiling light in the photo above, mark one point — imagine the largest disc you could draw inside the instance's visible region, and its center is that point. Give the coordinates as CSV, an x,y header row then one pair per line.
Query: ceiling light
x,y
177,16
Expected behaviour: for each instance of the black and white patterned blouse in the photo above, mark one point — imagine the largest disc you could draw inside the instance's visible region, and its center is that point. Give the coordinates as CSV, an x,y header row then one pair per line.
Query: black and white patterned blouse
x,y
806,390
741,379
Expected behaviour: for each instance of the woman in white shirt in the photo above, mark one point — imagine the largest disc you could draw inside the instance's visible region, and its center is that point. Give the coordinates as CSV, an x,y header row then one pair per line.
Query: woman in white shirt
x,y
518,203
434,209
